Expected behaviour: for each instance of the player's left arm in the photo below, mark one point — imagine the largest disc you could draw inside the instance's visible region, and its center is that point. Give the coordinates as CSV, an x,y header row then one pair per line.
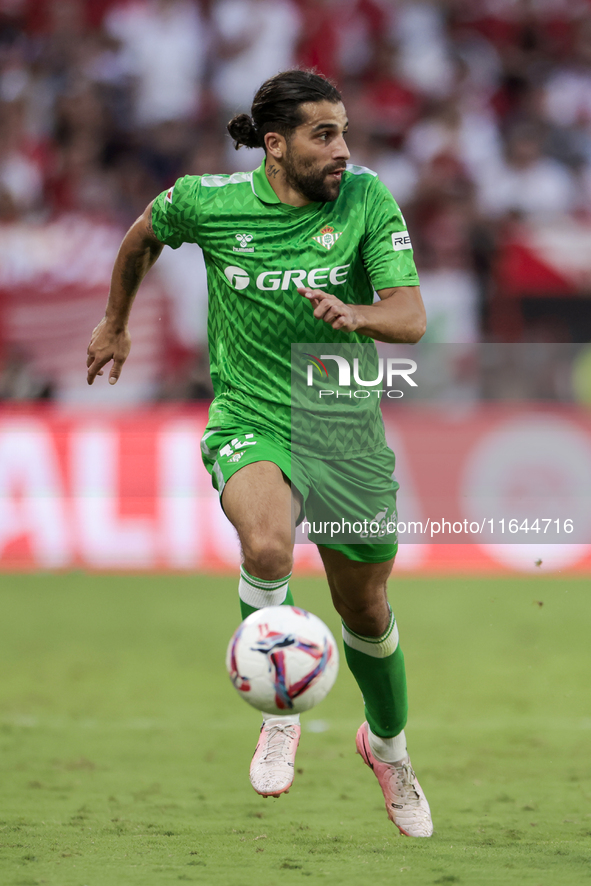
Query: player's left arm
x,y
399,316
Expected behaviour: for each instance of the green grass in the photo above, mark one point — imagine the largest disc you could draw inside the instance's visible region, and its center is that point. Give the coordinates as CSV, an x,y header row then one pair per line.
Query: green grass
x,y
125,750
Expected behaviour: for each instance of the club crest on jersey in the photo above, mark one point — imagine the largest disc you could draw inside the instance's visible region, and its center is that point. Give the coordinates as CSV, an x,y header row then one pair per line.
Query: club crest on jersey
x,y
327,237
243,240
168,197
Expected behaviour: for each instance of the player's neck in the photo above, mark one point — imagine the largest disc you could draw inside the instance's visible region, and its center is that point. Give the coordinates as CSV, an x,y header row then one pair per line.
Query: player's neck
x,y
286,193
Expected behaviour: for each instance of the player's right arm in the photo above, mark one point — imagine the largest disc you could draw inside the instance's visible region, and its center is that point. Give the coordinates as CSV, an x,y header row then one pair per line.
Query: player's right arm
x,y
110,340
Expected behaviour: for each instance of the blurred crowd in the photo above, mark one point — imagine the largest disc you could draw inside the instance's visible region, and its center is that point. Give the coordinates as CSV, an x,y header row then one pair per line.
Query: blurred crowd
x,y
475,113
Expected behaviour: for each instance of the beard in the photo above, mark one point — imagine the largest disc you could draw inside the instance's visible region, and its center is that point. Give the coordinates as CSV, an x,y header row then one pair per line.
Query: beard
x,y
311,182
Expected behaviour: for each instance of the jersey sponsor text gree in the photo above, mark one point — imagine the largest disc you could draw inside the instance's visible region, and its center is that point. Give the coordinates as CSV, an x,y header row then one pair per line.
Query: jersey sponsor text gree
x,y
317,278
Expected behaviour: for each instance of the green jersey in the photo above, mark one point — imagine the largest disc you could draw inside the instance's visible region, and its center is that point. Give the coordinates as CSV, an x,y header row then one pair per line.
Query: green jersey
x,y
257,251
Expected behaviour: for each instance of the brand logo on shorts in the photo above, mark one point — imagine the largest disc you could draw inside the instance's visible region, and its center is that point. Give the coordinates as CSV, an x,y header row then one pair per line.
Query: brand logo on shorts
x,y
327,237
243,240
230,450
237,278
379,525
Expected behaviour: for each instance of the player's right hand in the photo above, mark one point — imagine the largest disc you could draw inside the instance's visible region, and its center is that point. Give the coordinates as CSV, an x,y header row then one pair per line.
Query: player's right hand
x,y
107,343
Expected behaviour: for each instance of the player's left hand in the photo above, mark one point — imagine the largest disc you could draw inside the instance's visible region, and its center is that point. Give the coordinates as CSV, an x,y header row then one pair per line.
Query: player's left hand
x,y
331,309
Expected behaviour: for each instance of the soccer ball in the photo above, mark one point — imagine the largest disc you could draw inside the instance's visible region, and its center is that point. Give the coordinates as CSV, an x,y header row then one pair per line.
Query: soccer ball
x,y
282,660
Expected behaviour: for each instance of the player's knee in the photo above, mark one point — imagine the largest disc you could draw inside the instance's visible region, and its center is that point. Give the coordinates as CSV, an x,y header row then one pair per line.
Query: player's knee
x,y
365,618
268,557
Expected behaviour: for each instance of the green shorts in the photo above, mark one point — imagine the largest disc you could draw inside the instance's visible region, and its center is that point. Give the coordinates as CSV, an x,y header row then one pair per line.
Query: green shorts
x,y
349,505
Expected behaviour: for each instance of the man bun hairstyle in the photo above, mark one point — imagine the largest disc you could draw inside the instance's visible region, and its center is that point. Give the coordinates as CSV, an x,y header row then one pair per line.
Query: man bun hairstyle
x,y
243,131
277,106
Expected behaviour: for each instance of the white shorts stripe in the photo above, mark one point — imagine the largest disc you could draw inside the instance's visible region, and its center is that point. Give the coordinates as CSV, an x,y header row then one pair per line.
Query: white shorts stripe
x,y
220,477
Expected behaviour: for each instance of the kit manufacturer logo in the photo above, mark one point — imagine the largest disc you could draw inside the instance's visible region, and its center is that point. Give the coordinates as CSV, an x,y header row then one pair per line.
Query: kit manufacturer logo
x,y
243,240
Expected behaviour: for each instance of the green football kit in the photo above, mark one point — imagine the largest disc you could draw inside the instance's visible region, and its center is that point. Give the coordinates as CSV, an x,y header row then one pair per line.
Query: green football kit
x,y
265,346
257,251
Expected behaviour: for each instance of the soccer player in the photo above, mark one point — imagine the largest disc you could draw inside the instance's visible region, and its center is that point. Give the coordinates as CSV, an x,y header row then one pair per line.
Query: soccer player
x,y
294,252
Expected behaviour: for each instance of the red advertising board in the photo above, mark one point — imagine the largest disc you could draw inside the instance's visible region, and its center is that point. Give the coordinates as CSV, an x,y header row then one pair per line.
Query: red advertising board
x,y
127,491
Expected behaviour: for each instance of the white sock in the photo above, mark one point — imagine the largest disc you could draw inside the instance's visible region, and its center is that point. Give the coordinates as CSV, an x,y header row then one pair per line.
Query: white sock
x,y
287,720
259,592
388,750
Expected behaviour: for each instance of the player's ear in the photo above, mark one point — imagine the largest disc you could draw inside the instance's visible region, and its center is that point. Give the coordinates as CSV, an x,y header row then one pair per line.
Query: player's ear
x,y
275,145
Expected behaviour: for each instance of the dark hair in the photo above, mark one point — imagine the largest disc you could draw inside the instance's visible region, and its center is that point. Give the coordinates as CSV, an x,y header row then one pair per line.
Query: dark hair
x,y
276,106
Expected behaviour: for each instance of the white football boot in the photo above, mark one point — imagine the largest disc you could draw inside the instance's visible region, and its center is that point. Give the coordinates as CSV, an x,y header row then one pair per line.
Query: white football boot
x,y
406,803
273,764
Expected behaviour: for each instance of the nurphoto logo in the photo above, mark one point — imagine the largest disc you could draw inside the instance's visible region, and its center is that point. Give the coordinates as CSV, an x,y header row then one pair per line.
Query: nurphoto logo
x,y
393,368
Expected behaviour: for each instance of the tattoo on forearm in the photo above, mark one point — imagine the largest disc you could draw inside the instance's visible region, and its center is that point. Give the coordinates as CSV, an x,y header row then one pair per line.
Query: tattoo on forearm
x,y
131,272
272,170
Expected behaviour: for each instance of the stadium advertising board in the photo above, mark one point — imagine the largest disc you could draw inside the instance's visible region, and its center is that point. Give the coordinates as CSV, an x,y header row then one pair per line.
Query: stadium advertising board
x,y
114,491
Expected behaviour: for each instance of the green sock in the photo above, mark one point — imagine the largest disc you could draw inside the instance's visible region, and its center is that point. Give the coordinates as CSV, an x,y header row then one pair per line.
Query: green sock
x,y
377,663
258,592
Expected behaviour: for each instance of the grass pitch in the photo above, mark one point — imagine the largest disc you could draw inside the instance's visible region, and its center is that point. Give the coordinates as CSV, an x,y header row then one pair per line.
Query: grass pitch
x,y
125,750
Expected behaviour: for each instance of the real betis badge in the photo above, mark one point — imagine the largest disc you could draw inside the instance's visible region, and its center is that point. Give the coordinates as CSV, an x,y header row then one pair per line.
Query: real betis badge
x,y
327,237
